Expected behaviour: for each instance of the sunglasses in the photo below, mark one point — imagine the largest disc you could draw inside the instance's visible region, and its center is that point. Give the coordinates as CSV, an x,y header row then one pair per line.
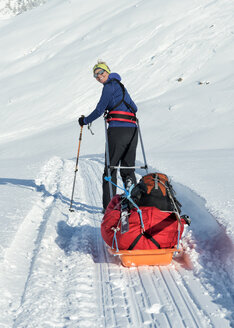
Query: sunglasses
x,y
99,73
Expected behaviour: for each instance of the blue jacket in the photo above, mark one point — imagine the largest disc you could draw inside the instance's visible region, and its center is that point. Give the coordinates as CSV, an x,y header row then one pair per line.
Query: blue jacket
x,y
112,94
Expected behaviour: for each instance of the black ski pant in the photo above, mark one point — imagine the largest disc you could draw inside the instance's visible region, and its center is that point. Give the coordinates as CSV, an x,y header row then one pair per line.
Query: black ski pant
x,y
122,143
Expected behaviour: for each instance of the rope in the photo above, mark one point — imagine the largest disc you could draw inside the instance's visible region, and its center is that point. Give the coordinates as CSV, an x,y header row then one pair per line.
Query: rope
x,y
128,196
109,180
135,205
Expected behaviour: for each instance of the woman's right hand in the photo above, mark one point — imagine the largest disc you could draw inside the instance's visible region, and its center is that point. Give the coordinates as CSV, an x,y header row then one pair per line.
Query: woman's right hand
x,y
81,120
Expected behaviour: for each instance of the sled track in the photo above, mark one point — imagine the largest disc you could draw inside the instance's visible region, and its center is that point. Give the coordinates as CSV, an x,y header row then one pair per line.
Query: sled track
x,y
68,279
140,297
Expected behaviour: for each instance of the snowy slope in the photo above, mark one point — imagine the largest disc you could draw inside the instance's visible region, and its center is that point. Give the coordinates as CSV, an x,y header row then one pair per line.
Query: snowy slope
x,y
178,66
15,7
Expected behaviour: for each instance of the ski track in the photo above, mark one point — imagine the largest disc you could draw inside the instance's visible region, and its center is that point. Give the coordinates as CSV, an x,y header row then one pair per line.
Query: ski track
x,y
68,279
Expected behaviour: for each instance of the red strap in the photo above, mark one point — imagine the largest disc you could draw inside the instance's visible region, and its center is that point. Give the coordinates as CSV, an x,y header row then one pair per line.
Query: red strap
x,y
122,113
120,120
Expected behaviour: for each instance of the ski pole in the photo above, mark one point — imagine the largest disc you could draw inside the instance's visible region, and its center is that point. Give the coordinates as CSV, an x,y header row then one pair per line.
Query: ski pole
x,y
76,169
142,147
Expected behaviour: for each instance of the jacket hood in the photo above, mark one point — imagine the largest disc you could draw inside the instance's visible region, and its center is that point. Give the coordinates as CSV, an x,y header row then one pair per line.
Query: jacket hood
x,y
113,76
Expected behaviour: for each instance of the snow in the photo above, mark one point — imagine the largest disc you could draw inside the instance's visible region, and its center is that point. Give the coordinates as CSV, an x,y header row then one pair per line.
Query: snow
x,y
15,7
176,60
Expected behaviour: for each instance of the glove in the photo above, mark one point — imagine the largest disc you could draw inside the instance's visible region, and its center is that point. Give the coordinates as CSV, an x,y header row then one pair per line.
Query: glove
x,y
81,120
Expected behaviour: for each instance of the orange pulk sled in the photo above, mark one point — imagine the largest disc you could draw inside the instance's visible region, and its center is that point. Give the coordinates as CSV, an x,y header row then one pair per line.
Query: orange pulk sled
x,y
145,256
143,226
151,235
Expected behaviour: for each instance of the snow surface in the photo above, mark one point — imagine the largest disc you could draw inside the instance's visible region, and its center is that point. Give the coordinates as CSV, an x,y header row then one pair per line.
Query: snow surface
x,y
16,7
176,60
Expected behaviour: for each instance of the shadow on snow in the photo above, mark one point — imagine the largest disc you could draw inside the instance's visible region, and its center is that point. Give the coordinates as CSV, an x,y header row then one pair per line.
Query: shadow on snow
x,y
83,239
31,185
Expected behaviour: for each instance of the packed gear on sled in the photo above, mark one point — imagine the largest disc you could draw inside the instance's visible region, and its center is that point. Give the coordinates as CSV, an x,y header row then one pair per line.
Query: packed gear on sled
x,y
154,189
160,227
153,223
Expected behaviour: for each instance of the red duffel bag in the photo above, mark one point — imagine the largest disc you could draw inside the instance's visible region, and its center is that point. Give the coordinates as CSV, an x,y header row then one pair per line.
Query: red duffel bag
x,y
161,228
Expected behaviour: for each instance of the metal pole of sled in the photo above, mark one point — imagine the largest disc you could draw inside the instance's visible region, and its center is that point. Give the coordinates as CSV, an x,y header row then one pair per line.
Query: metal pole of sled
x,y
176,211
108,161
128,167
142,146
76,169
177,216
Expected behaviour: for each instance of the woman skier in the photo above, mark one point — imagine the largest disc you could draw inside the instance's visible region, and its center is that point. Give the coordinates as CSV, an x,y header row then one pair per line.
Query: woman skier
x,y
119,111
